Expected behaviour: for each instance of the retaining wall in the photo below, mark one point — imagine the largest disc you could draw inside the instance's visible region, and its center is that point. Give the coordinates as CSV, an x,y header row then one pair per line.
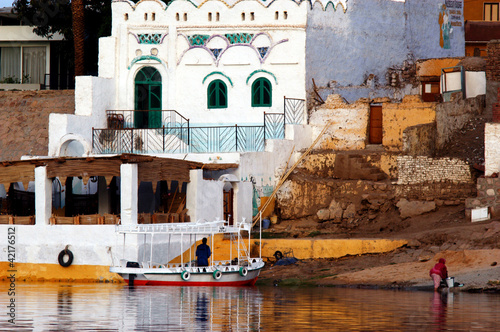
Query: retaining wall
x,y
25,119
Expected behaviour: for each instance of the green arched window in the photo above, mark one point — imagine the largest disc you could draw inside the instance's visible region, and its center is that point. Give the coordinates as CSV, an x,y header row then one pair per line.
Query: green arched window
x,y
147,98
217,94
262,93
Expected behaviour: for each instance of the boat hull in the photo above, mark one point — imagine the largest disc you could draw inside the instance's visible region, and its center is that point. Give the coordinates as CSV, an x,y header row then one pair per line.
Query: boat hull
x,y
195,279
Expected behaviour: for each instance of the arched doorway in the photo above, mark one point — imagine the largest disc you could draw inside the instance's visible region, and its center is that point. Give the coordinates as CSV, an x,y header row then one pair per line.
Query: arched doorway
x,y
147,98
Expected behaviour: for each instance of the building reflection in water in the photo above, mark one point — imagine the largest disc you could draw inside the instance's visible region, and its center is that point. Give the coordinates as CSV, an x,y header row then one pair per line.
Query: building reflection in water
x,y
112,307
199,308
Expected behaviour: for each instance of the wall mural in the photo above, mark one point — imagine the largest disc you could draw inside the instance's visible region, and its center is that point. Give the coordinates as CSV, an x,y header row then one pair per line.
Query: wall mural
x,y
445,28
262,190
450,15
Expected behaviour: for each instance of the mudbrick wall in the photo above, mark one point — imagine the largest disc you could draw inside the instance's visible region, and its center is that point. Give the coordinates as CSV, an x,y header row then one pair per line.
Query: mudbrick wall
x,y
304,196
420,140
453,115
493,61
424,184
25,119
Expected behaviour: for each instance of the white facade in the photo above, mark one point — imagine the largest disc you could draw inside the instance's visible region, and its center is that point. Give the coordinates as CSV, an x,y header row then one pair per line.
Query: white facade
x,y
171,41
24,56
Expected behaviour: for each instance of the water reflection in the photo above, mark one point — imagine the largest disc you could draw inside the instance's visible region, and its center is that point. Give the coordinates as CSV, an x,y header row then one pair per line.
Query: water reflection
x,y
110,307
438,308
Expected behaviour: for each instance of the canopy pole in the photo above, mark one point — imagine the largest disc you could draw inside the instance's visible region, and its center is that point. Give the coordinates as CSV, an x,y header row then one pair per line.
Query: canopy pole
x,y
151,253
260,235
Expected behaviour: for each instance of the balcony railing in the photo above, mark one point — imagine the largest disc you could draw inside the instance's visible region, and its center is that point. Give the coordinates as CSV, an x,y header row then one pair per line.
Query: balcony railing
x,y
167,131
145,119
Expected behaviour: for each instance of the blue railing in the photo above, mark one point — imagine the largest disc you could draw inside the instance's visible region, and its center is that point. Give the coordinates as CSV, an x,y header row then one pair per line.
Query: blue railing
x,y
172,133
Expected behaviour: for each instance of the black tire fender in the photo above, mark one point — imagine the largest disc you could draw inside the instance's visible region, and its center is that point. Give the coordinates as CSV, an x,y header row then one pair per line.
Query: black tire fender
x,y
217,274
185,275
243,271
64,253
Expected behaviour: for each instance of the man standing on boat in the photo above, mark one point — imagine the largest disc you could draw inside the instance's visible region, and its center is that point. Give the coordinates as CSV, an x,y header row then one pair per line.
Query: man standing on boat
x,y
203,252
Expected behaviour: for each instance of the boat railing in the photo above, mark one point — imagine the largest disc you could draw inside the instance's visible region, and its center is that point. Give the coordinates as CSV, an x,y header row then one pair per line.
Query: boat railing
x,y
223,265
218,226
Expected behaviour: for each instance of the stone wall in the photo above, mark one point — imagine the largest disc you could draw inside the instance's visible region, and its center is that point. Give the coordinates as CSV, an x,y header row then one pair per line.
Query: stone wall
x,y
420,140
491,148
488,195
421,169
25,120
453,115
303,197
355,201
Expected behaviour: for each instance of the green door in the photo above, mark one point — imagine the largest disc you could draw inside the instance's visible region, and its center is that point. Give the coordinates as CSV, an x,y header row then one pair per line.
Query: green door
x,y
147,98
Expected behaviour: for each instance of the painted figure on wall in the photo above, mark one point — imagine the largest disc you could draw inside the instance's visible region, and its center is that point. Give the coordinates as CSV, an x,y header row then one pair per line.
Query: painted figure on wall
x,y
444,28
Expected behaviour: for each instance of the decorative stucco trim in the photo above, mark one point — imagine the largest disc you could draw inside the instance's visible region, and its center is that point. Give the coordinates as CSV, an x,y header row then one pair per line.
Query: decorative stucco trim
x,y
229,45
139,41
136,36
265,5
238,26
165,35
147,57
217,73
134,5
261,71
325,7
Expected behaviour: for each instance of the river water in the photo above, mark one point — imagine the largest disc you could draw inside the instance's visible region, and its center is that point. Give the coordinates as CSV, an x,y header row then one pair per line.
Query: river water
x,y
117,307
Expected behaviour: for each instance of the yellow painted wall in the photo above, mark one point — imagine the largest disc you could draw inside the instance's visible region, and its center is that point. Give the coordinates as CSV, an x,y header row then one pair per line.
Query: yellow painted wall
x,y
396,117
328,248
348,127
301,248
55,272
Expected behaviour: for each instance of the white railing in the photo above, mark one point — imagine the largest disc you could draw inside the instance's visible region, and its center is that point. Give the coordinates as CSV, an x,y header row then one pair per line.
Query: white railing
x,y
210,227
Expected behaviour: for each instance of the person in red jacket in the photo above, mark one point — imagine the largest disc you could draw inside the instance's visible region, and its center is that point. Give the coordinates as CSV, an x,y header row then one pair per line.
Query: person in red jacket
x,y
438,272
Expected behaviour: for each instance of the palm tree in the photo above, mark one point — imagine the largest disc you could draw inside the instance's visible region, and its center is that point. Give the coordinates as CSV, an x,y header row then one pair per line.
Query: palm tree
x,y
77,11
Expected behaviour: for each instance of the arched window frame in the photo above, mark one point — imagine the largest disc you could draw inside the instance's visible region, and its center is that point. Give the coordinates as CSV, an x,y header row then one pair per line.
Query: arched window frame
x,y
262,88
219,89
148,76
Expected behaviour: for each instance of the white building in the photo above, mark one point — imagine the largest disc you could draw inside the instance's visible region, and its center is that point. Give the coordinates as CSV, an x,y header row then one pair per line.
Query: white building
x,y
206,82
25,57
218,63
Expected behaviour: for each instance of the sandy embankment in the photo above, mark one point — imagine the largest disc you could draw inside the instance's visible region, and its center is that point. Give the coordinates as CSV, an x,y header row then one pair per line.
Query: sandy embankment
x,y
476,269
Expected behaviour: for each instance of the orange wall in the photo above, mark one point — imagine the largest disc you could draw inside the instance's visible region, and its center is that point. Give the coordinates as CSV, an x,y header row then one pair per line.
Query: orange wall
x,y
473,9
469,49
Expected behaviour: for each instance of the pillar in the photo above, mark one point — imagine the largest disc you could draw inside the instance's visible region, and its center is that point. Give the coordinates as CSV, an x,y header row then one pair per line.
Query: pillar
x,y
43,196
129,191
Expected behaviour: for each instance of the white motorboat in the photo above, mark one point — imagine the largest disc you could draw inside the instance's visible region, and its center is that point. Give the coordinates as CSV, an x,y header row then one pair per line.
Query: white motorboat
x,y
161,242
